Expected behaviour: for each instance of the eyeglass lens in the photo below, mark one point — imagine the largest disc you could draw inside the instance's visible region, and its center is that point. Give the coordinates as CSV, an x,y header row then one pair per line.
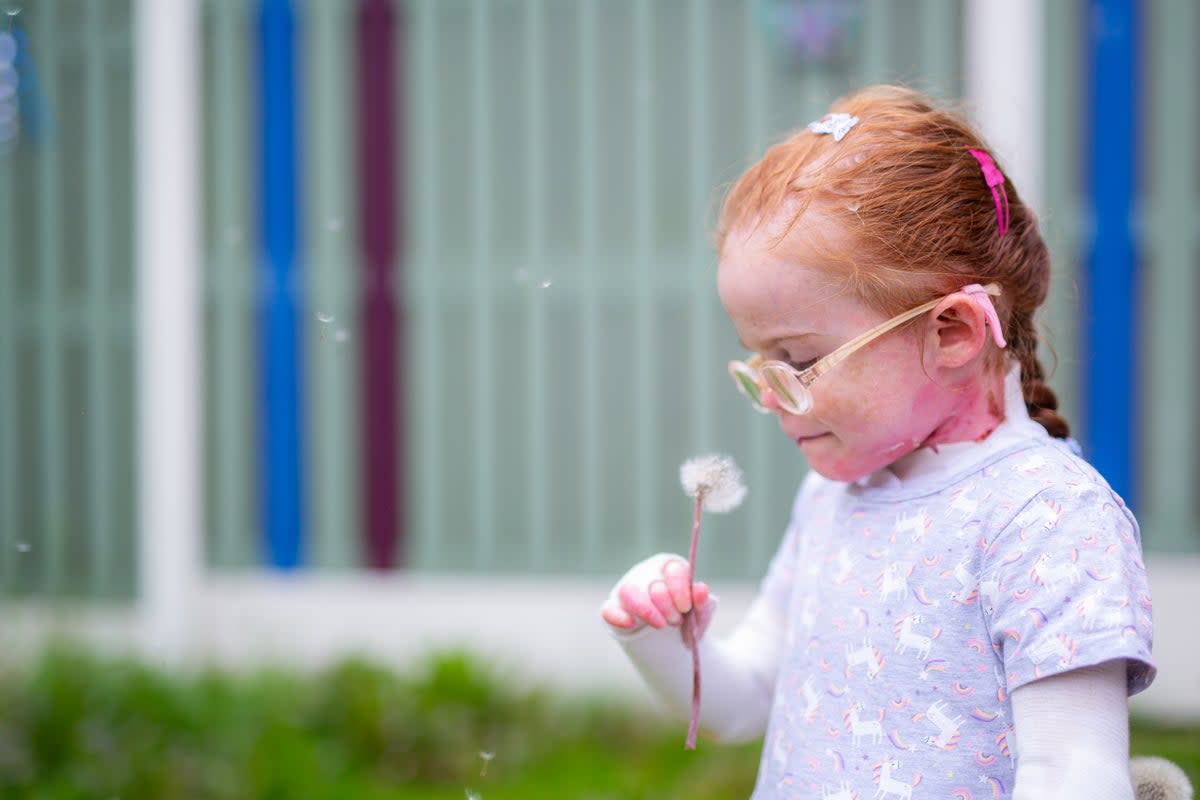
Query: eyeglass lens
x,y
793,397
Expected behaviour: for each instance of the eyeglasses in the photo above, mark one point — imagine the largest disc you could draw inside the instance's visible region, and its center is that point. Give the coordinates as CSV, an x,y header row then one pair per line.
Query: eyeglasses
x,y
791,386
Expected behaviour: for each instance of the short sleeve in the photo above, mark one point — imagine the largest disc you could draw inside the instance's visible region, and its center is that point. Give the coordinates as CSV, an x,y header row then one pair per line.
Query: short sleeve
x,y
1063,586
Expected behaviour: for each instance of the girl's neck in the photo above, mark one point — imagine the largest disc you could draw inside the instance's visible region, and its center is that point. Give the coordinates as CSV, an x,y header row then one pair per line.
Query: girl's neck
x,y
976,410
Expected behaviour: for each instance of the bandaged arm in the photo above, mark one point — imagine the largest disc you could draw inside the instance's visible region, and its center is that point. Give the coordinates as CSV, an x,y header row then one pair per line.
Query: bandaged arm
x,y
1072,733
737,672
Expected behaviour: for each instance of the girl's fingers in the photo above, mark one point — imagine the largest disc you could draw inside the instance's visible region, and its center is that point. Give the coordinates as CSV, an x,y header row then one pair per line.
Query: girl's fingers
x,y
675,575
637,603
664,602
700,595
617,617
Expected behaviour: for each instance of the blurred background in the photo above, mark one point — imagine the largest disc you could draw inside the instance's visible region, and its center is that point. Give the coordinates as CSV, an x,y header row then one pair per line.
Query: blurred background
x,y
380,327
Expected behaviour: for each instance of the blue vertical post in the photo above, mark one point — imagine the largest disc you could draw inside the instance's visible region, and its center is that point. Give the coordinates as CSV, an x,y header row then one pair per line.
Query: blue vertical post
x,y
1110,316
279,289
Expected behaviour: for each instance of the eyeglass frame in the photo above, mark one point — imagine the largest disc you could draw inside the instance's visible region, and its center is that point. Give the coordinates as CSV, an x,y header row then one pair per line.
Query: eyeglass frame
x,y
754,370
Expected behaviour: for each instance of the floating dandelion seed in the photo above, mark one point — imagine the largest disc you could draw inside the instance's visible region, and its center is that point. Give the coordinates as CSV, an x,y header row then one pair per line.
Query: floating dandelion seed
x,y
471,795
23,547
546,283
715,483
342,336
325,318
487,758
334,224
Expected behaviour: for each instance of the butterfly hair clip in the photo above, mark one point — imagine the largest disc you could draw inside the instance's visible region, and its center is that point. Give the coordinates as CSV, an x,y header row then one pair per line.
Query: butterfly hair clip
x,y
838,124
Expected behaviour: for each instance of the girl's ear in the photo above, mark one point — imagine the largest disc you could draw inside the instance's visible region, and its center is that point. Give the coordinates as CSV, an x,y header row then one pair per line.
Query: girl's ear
x,y
957,332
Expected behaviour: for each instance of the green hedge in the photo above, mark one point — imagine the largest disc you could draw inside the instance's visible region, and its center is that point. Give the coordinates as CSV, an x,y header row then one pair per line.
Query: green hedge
x,y
77,726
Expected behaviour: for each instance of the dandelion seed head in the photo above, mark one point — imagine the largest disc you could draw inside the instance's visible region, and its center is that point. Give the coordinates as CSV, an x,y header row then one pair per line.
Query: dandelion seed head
x,y
1157,778
324,318
716,480
486,756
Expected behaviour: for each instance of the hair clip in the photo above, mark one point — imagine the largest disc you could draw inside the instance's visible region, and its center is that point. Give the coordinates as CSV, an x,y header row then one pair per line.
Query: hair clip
x,y
838,124
995,181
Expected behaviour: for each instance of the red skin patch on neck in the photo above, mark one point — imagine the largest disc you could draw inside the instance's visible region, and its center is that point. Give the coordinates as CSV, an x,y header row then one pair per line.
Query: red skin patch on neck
x,y
978,414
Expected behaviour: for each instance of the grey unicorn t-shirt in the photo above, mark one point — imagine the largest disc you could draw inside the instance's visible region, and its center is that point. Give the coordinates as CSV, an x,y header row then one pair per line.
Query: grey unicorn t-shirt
x,y
913,610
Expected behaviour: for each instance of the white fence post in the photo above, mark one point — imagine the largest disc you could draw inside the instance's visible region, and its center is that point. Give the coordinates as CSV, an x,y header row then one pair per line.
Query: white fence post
x,y
1003,58
169,386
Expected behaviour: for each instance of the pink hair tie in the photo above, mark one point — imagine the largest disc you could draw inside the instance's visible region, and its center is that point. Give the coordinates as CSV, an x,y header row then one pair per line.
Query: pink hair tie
x,y
995,181
982,297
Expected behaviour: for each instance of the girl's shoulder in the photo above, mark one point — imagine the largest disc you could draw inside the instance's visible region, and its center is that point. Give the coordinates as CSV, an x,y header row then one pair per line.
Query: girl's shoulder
x,y
1043,486
993,485
1046,466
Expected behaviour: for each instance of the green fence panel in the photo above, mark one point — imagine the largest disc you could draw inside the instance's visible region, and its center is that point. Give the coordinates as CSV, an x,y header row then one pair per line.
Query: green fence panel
x,y
1063,201
11,542
67,428
98,219
566,342
569,343
231,392
53,487
331,325
1171,270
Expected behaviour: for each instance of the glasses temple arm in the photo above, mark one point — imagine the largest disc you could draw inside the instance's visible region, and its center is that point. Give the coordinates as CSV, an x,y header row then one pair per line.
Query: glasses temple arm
x,y
845,351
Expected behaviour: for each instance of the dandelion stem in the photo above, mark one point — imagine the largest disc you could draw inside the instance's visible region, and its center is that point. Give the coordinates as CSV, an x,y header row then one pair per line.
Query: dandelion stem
x,y
690,623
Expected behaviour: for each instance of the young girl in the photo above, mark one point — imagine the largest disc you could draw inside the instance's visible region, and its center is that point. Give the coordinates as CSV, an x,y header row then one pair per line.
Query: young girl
x,y
958,607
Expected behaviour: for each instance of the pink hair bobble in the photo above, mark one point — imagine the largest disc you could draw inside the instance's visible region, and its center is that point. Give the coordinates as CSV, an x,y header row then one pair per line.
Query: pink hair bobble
x,y
995,181
982,297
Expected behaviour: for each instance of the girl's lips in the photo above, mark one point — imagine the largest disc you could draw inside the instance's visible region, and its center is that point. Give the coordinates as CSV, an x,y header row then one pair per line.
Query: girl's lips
x,y
803,440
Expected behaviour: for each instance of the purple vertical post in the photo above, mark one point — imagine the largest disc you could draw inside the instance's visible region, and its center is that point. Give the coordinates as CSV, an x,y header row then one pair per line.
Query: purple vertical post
x,y
383,486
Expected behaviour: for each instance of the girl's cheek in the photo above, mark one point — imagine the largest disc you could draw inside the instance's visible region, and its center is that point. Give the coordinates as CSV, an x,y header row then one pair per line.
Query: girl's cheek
x,y
840,394
855,400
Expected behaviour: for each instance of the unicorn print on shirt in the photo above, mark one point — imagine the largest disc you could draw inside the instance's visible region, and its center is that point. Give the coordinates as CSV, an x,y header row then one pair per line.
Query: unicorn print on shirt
x,y
860,728
893,581
948,728
1053,576
908,638
889,786
866,654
